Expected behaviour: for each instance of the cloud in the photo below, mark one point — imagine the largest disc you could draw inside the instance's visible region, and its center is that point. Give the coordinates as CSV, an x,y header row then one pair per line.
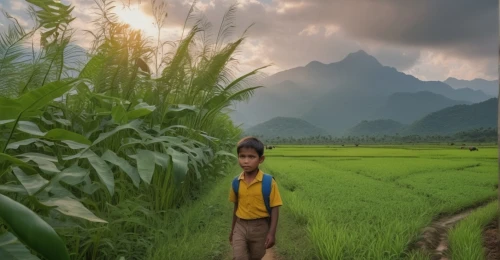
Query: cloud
x,y
427,38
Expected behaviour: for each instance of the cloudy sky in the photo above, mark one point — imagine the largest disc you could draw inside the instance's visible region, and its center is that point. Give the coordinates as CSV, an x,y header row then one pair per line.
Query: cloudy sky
x,y
430,39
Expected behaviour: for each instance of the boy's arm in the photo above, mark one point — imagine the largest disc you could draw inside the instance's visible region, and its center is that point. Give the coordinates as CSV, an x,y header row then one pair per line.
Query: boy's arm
x,y
234,222
271,235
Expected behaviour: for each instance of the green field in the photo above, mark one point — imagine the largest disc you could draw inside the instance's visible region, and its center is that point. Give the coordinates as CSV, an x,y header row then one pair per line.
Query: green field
x,y
351,203
372,202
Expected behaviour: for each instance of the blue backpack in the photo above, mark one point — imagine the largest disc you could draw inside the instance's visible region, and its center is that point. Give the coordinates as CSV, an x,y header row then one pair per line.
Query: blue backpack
x,y
266,189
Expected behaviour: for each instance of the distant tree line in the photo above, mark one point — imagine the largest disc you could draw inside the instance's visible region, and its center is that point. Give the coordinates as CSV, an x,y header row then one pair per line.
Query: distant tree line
x,y
479,135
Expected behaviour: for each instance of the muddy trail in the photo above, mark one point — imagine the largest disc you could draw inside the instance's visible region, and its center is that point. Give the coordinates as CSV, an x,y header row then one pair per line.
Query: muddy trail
x,y
270,255
434,238
491,241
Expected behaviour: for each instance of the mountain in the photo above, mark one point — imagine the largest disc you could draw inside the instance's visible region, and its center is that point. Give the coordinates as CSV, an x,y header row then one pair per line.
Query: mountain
x,y
489,87
457,118
376,127
407,107
337,96
285,127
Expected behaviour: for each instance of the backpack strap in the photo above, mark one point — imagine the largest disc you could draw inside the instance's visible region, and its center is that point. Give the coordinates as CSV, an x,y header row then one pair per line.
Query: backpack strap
x,y
236,185
267,181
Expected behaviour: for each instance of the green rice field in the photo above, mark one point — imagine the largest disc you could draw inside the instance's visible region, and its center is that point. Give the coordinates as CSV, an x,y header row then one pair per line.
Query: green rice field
x,y
372,202
353,203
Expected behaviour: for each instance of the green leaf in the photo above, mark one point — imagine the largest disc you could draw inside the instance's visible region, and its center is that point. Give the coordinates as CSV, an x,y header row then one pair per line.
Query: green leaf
x,y
46,165
103,171
32,183
16,145
146,165
13,188
72,207
140,110
12,248
4,122
162,159
224,153
73,175
40,97
119,114
61,134
29,128
32,230
63,121
9,110
111,157
13,160
74,145
132,125
180,164
181,111
39,156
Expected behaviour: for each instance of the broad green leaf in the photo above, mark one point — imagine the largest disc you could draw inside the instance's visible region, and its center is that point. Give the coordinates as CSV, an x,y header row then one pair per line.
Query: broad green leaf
x,y
40,97
103,171
13,188
111,157
140,110
63,121
61,134
162,159
73,175
29,128
180,111
9,109
45,165
74,145
91,68
180,164
224,153
134,125
72,207
12,248
119,114
15,145
146,164
32,183
32,230
39,156
13,160
4,122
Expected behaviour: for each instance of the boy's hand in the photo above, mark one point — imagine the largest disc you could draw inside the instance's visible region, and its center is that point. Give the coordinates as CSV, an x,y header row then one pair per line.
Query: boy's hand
x,y
270,239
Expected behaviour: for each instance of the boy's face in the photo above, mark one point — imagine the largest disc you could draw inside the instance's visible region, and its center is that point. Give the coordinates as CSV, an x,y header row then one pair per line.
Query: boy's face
x,y
249,159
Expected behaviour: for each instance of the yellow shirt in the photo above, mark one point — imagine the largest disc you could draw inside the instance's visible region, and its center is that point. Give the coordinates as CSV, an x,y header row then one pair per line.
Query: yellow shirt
x,y
250,200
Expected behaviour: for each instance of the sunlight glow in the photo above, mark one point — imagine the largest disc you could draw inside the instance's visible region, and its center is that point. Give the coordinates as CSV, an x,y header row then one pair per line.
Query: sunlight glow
x,y
137,19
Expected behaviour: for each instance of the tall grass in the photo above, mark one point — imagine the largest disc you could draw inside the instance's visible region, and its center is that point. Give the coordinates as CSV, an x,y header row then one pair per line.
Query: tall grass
x,y
466,238
107,151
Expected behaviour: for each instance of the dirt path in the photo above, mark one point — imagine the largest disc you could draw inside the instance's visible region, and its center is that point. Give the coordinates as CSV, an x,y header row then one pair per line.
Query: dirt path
x,y
269,255
434,238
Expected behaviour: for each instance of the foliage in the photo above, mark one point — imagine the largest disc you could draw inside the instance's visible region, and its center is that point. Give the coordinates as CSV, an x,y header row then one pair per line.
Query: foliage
x,y
109,151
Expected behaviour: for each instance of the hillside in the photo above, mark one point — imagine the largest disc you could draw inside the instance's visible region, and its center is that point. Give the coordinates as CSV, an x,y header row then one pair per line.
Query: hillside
x,y
457,118
376,127
284,127
408,107
489,87
339,95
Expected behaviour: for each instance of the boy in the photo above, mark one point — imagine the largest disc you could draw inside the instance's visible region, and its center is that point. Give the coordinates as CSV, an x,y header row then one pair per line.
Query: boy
x,y
251,231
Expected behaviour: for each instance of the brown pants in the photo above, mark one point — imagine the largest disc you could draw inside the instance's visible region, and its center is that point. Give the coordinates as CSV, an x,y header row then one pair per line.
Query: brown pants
x,y
249,238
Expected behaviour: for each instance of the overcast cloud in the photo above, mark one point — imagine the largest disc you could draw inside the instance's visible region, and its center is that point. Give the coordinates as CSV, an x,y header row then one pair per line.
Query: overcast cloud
x,y
429,39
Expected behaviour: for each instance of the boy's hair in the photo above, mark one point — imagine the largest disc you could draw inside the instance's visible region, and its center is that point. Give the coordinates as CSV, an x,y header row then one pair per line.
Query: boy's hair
x,y
251,142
